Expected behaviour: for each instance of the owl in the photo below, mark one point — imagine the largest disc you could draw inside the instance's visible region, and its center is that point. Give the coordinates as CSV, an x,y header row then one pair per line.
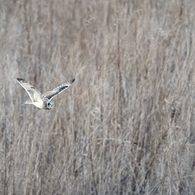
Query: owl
x,y
42,101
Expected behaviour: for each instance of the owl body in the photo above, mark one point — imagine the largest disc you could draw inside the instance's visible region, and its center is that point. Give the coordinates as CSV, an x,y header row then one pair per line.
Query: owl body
x,y
46,104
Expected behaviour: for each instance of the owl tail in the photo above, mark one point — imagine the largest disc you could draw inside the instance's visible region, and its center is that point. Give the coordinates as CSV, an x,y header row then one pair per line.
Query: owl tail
x,y
28,102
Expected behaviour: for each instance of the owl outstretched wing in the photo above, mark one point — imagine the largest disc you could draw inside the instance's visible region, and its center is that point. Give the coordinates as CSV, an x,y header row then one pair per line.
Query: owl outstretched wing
x,y
51,94
33,93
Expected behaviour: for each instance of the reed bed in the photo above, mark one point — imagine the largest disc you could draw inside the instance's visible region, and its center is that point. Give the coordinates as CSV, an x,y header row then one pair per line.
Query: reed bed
x,y
126,126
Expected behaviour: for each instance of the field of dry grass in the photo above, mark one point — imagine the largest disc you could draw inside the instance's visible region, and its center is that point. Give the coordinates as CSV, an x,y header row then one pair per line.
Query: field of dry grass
x,y
127,124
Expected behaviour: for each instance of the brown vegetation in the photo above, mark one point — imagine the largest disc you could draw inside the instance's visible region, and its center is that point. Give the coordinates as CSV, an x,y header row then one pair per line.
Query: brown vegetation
x,y
126,126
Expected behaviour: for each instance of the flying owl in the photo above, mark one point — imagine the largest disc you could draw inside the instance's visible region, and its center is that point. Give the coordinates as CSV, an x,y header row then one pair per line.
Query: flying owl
x,y
44,101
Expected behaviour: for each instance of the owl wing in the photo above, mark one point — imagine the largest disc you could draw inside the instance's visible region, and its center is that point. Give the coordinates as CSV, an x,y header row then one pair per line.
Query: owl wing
x,y
33,93
51,94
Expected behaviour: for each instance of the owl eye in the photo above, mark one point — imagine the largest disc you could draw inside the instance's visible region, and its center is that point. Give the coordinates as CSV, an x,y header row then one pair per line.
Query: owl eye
x,y
49,104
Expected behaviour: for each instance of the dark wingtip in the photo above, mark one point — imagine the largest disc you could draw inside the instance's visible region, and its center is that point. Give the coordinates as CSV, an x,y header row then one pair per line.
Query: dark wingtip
x,y
20,79
72,81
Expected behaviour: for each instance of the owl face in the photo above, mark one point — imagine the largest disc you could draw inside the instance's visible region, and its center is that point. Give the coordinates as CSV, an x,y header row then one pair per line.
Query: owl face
x,y
49,105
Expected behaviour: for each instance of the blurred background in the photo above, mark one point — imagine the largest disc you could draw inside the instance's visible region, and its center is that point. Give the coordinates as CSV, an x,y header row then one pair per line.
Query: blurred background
x,y
126,125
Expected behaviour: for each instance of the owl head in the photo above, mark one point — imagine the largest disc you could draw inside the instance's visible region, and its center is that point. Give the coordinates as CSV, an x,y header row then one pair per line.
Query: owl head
x,y
49,105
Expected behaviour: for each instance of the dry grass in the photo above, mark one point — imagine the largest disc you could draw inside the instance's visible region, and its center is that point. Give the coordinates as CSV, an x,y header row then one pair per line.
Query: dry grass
x,y
126,126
